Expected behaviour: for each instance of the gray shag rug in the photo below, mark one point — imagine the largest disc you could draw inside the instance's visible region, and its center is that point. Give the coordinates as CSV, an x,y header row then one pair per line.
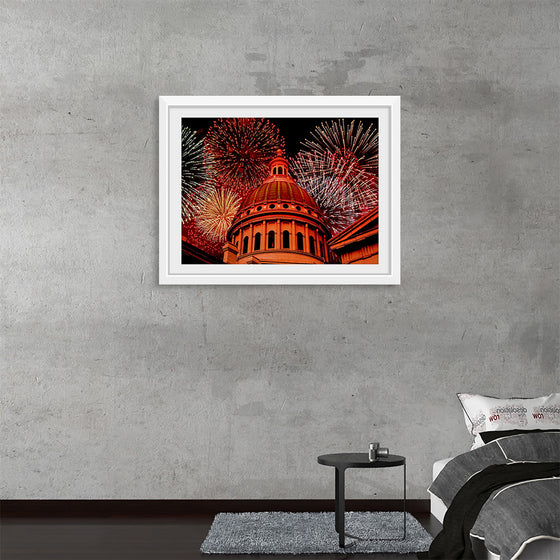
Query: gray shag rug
x,y
277,532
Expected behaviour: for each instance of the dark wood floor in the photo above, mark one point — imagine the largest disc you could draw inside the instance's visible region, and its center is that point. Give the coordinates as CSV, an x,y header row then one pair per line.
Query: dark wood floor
x,y
135,539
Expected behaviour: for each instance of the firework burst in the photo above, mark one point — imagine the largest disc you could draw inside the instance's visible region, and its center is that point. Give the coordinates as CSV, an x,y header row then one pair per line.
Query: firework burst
x,y
342,193
238,151
216,210
338,166
351,147
193,172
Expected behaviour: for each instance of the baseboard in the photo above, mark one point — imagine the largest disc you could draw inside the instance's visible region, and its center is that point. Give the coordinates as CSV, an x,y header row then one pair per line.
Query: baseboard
x,y
178,508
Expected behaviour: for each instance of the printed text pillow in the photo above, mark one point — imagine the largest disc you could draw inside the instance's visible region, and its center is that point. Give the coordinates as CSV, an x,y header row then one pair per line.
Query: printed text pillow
x,y
489,414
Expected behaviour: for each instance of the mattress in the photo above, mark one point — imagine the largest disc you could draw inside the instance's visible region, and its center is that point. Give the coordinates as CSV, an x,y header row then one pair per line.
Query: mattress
x,y
437,507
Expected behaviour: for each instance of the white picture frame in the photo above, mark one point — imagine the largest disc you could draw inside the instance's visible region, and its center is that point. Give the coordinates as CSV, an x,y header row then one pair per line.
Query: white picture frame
x,y
172,109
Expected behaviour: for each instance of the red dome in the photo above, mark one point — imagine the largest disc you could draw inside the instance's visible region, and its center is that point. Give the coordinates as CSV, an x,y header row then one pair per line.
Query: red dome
x,y
278,190
278,222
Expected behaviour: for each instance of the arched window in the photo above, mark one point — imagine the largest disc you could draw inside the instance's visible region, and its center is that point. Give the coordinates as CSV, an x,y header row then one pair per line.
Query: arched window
x,y
271,236
299,238
312,245
257,242
274,171
245,244
286,239
319,248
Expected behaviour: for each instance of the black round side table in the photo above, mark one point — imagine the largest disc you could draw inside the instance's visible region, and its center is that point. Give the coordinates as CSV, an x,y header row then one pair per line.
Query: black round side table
x,y
343,461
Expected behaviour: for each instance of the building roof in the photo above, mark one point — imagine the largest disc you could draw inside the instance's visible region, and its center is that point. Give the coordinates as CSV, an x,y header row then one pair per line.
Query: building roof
x,y
191,254
279,186
278,190
361,229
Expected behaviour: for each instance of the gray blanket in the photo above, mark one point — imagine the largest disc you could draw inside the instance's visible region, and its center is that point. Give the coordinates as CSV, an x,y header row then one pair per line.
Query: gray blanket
x,y
515,514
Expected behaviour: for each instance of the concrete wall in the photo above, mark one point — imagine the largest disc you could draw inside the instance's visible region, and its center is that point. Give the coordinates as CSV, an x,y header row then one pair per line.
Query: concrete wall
x,y
116,387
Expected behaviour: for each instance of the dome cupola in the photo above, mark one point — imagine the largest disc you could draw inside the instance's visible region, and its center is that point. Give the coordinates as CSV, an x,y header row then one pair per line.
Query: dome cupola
x,y
278,165
278,187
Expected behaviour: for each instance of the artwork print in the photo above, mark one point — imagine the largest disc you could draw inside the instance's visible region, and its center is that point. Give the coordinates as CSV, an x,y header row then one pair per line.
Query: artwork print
x,y
306,185
279,191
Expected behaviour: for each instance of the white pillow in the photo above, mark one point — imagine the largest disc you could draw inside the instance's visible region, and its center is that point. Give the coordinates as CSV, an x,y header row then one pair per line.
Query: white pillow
x,y
490,414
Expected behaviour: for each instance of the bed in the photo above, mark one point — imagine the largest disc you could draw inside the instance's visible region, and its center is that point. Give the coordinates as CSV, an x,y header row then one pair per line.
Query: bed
x,y
501,499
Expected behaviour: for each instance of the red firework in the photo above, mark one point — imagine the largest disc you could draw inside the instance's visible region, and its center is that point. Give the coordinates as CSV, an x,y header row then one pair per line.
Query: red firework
x,y
195,236
342,192
237,151
339,167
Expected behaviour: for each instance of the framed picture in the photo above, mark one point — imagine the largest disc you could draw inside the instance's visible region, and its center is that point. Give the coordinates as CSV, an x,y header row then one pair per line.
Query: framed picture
x,y
308,184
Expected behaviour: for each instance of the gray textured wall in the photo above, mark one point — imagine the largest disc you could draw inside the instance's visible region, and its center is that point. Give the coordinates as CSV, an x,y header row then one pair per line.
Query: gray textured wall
x,y
115,387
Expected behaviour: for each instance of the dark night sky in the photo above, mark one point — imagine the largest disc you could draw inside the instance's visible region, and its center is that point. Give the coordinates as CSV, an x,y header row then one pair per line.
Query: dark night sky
x,y
294,130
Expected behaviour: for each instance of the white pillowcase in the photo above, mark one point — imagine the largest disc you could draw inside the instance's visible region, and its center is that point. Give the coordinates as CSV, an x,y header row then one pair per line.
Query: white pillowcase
x,y
490,414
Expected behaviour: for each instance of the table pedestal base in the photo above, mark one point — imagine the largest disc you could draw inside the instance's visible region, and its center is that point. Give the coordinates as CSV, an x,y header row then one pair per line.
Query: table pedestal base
x,y
339,508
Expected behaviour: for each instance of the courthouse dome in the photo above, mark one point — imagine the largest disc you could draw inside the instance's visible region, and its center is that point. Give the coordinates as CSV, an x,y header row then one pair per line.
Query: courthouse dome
x,y
278,222
278,187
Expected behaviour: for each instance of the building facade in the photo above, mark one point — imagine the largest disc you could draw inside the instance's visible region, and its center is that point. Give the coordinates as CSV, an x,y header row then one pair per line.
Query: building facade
x,y
359,242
